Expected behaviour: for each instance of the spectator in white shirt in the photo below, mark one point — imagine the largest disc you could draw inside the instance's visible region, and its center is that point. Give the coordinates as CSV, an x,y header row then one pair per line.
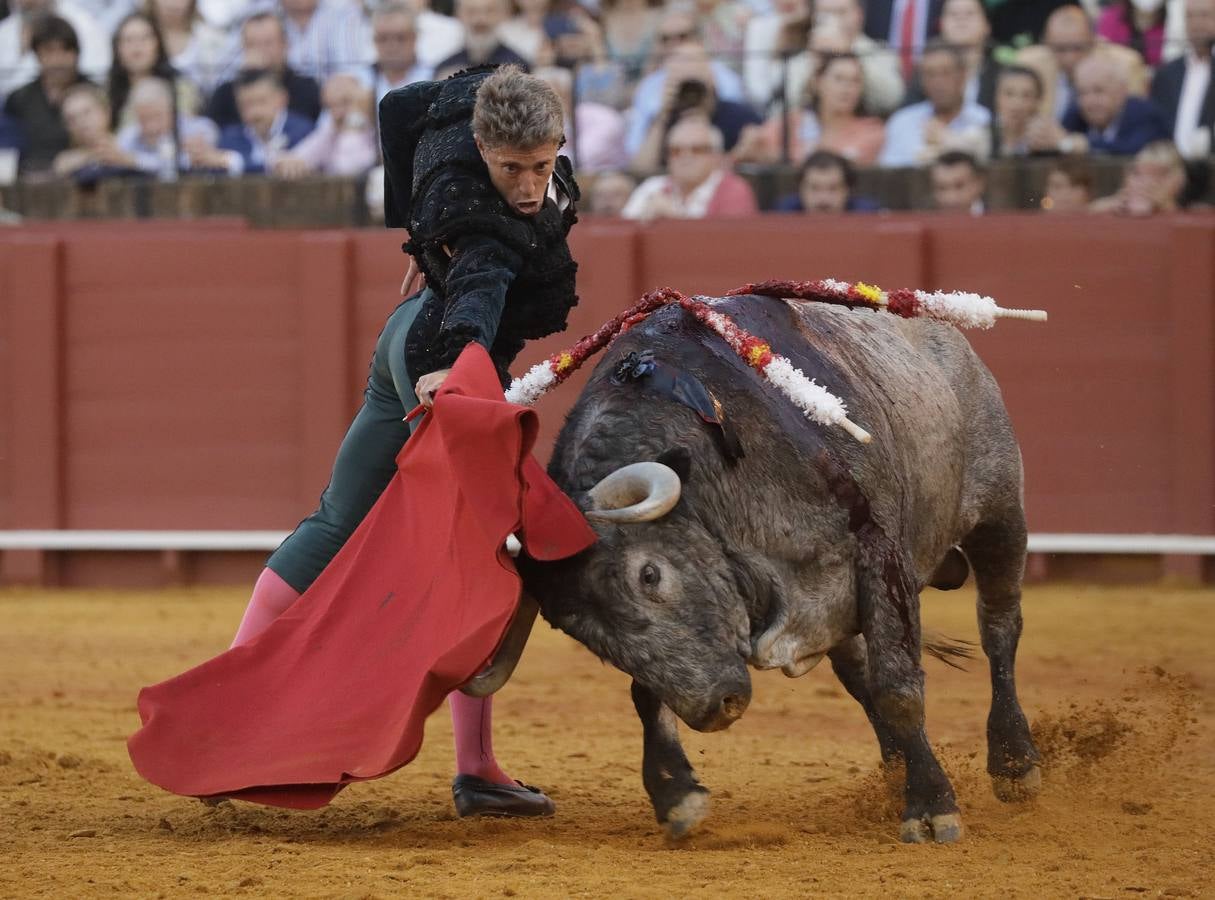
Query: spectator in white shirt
x,y
394,31
919,133
1183,88
151,140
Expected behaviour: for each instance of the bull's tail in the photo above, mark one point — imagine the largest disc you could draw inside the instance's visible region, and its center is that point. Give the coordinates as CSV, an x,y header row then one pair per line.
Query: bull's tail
x,y
951,651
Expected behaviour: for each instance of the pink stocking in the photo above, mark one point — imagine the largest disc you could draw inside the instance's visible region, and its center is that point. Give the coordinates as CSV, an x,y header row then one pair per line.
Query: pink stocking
x,y
271,597
472,723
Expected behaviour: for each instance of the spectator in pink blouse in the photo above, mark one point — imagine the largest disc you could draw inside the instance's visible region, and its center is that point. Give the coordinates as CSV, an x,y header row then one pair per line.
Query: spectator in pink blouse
x,y
1138,24
697,184
343,142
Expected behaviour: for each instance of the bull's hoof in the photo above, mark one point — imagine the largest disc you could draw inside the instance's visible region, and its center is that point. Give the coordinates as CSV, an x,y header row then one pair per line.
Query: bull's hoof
x,y
686,815
1019,788
943,829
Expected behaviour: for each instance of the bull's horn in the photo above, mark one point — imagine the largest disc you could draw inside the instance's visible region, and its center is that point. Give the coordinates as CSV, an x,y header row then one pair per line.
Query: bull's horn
x,y
641,492
491,679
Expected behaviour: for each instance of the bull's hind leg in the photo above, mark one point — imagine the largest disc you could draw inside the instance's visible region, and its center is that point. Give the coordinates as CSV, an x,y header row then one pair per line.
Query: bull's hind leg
x,y
996,551
680,801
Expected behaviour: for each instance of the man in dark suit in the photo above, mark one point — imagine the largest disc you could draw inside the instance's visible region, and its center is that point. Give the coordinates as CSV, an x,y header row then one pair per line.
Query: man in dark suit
x,y
906,25
266,129
1184,90
1104,117
264,46
481,20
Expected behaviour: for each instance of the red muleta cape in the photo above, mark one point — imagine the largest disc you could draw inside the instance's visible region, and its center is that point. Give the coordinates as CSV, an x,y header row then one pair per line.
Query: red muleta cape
x,y
338,688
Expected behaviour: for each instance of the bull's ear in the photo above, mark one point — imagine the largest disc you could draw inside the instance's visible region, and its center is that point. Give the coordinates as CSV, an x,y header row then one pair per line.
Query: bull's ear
x,y
679,459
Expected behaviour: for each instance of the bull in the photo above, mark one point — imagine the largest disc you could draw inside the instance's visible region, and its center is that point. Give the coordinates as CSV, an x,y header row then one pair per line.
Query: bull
x,y
788,541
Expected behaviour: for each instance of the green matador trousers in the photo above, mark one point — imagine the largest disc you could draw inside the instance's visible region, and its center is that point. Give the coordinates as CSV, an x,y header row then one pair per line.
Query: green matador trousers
x,y
366,460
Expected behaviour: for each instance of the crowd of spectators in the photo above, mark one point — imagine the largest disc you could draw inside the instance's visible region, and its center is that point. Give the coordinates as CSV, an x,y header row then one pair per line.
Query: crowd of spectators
x,y
667,101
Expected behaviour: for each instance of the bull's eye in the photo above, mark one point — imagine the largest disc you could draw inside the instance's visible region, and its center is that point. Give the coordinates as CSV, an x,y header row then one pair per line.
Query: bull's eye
x,y
650,575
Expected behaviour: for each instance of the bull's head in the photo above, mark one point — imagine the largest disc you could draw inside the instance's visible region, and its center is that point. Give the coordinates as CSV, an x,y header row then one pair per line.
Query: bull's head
x,y
656,595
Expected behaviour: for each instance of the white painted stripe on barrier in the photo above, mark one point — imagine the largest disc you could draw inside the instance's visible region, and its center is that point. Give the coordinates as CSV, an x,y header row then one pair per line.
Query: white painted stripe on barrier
x,y
1181,544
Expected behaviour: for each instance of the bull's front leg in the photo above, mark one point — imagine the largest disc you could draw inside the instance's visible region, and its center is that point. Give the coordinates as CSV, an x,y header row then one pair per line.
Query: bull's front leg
x,y
890,621
680,801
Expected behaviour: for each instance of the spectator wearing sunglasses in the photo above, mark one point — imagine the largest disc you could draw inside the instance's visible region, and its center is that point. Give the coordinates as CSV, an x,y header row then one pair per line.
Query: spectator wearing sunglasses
x,y
697,185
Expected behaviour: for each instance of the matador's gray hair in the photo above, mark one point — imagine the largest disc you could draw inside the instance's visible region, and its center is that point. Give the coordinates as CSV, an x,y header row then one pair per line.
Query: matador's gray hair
x,y
518,111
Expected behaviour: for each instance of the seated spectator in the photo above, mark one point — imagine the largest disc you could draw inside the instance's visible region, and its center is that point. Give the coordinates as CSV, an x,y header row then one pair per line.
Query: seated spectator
x,y
1138,25
1154,183
263,43
344,141
576,42
94,152
826,184
439,35
629,28
770,42
1018,96
394,32
36,108
958,183
139,53
151,141
689,87
919,133
832,120
482,46
1069,186
197,49
19,63
697,184
1067,39
676,30
837,29
597,135
325,37
723,26
1184,90
964,24
610,191
267,129
1105,119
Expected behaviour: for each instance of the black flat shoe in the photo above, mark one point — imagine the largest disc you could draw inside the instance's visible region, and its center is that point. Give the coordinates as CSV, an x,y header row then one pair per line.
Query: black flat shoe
x,y
477,797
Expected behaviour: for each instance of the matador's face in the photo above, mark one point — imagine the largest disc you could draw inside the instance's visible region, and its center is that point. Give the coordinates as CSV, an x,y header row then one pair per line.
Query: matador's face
x,y
521,176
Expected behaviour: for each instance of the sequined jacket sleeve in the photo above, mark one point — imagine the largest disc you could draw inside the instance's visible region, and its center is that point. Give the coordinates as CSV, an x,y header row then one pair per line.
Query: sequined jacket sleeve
x,y
481,271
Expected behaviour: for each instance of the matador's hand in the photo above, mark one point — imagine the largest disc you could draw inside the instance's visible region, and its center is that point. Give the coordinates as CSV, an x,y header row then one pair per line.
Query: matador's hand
x,y
428,386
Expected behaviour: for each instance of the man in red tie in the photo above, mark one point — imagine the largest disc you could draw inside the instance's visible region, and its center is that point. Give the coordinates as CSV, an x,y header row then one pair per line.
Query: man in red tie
x,y
906,25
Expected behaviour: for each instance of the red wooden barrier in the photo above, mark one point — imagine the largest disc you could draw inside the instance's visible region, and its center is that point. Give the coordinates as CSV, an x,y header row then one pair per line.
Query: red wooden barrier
x,y
201,378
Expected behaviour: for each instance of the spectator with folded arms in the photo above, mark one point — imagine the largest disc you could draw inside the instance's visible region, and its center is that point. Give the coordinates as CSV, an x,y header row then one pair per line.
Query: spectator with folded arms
x,y
344,141
267,130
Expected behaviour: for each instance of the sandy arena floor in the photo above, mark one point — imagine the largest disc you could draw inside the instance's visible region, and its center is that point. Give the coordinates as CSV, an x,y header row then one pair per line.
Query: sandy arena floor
x,y
1120,685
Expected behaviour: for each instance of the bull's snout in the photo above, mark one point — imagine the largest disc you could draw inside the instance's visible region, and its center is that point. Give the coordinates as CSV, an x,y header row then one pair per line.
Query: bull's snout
x,y
727,710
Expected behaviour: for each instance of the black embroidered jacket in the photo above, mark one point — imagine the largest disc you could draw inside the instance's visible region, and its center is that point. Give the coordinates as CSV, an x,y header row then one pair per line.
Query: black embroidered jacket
x,y
499,277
